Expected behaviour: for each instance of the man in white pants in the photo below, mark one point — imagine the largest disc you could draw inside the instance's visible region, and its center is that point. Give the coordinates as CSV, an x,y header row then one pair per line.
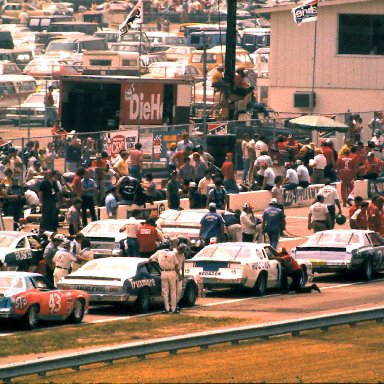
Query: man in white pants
x,y
169,273
62,261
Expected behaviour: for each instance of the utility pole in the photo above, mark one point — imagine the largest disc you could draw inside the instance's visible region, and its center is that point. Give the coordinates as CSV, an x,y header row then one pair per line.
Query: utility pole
x,y
230,49
205,85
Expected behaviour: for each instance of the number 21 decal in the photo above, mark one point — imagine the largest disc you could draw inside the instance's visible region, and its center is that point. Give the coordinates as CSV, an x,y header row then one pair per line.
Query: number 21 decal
x,y
54,302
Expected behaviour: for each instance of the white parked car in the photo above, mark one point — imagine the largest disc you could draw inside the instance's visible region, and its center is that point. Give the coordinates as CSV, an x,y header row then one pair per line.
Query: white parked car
x,y
232,265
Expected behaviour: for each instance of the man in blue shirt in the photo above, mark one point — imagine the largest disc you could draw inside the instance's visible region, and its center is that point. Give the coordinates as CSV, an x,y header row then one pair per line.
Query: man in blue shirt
x,y
89,188
273,222
218,195
211,225
111,203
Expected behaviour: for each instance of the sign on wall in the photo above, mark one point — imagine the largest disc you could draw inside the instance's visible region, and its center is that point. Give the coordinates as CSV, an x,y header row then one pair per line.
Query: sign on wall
x,y
114,142
301,196
376,187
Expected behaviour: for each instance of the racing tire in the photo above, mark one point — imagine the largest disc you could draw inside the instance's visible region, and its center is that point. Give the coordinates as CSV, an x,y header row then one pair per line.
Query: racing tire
x,y
143,301
304,276
260,287
190,295
78,312
367,270
31,318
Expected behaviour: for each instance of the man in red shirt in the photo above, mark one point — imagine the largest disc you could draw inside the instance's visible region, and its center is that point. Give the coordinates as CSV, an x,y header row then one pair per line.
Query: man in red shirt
x,y
179,156
357,204
372,166
329,170
148,237
359,220
346,169
77,186
136,158
375,214
229,175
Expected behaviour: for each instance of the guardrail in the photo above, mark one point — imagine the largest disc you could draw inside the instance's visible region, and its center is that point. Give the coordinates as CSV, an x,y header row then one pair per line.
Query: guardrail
x,y
200,339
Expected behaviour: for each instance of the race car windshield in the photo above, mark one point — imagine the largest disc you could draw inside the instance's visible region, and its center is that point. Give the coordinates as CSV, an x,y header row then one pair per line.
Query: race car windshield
x,y
7,282
334,239
109,267
6,241
223,253
102,228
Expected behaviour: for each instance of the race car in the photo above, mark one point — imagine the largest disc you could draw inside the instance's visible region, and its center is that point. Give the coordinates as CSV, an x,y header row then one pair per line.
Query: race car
x,y
344,250
233,265
125,280
19,250
29,297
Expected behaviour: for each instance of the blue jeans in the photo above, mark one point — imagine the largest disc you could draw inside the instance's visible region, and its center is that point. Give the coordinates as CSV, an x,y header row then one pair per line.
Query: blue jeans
x,y
134,171
274,238
246,165
133,247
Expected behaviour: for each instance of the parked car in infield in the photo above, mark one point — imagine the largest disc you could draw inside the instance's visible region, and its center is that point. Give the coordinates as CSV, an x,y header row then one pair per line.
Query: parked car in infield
x,y
125,280
29,297
19,250
235,265
344,250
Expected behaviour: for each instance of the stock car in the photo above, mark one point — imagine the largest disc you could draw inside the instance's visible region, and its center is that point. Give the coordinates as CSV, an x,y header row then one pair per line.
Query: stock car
x,y
29,297
344,250
236,265
125,280
19,250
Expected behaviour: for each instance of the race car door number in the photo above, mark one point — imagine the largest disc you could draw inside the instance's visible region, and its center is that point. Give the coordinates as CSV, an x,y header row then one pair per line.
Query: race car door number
x,y
54,303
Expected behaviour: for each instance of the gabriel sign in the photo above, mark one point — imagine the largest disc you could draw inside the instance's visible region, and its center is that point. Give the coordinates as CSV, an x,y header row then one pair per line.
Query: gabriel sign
x,y
141,101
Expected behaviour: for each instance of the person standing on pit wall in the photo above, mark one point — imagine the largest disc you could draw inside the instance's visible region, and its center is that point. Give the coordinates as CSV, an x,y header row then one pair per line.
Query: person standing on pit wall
x,y
173,191
347,171
273,222
73,155
291,268
331,199
319,218
319,163
48,196
211,225
246,158
218,195
131,227
169,274
228,171
136,158
62,261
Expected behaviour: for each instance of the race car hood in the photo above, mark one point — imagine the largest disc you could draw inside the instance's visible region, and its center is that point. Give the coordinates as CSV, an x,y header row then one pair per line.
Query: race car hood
x,y
99,275
185,231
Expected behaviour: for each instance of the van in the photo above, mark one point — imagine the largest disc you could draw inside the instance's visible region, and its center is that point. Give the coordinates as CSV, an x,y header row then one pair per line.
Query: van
x,y
183,26
74,26
41,23
6,40
255,38
113,63
209,38
42,39
76,45
19,56
203,27
14,89
216,56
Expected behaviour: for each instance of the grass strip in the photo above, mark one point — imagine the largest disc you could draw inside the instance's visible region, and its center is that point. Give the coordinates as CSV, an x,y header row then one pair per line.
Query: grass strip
x,y
341,355
92,335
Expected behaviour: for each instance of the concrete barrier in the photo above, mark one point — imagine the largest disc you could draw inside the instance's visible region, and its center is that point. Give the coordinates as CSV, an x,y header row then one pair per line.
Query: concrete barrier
x,y
361,188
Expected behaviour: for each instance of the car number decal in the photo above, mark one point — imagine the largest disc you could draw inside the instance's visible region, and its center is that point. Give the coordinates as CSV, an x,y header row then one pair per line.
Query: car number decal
x,y
54,303
24,254
261,265
209,273
21,303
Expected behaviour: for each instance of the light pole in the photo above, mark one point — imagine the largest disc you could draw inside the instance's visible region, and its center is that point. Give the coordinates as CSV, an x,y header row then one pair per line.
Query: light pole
x,y
204,84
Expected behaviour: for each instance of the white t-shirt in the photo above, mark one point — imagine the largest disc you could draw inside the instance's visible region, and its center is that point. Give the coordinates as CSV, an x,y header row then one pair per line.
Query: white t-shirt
x,y
31,197
319,211
302,173
260,146
270,176
330,194
263,159
292,176
319,161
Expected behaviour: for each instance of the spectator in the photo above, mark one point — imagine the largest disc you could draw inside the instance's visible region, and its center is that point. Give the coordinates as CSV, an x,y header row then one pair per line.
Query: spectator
x,y
173,194
15,164
187,172
33,171
211,225
218,195
194,196
261,145
204,186
307,152
27,152
148,237
331,199
111,203
278,191
179,157
50,110
292,147
182,144
218,82
329,169
73,155
268,177
121,166
31,198
377,121
302,174
89,189
77,185
245,147
150,188
132,227
169,157
258,170
241,85
207,157
48,196
291,178
378,142
136,158
73,216
199,165
41,158
14,201
273,222
228,171
109,173
319,218
357,128
88,151
50,156
319,164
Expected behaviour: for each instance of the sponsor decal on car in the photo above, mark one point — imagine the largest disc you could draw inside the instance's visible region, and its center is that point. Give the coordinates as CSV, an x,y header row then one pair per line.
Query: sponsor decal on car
x,y
21,303
91,289
209,273
142,283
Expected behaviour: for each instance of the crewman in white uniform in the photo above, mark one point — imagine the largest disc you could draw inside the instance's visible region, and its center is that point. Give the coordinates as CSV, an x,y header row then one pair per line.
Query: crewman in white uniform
x,y
319,218
62,261
169,274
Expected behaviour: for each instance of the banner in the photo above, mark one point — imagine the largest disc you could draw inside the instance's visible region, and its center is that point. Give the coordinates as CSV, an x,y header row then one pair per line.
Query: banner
x,y
376,187
301,197
306,12
135,14
114,142
162,141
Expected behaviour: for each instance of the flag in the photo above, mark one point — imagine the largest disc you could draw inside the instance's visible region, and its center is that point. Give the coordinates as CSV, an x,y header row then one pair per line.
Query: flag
x,y
306,12
136,13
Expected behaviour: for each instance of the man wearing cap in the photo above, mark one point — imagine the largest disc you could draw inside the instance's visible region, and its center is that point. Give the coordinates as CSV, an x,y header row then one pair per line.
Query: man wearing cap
x,y
218,82
302,174
373,166
319,164
148,237
250,225
319,218
49,252
307,151
62,260
331,199
291,179
211,225
195,201
132,227
169,157
227,169
273,222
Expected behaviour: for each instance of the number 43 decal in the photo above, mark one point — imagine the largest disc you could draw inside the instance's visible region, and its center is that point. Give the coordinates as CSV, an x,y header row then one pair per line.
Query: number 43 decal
x,y
54,302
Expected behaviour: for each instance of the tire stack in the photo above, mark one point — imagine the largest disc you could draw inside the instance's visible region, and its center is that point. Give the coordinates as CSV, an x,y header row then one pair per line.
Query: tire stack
x,y
219,145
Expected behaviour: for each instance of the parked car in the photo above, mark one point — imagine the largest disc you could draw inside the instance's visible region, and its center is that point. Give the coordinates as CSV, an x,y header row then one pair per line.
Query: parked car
x,y
172,69
32,110
61,8
14,9
341,250
50,67
29,298
7,68
174,53
125,280
238,265
15,89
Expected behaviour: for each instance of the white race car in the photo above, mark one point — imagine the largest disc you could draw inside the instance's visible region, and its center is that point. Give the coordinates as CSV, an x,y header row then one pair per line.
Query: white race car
x,y
249,265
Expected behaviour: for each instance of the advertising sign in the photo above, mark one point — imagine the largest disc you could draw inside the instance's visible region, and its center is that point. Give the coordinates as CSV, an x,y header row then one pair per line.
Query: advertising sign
x,y
141,100
376,187
114,142
301,196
